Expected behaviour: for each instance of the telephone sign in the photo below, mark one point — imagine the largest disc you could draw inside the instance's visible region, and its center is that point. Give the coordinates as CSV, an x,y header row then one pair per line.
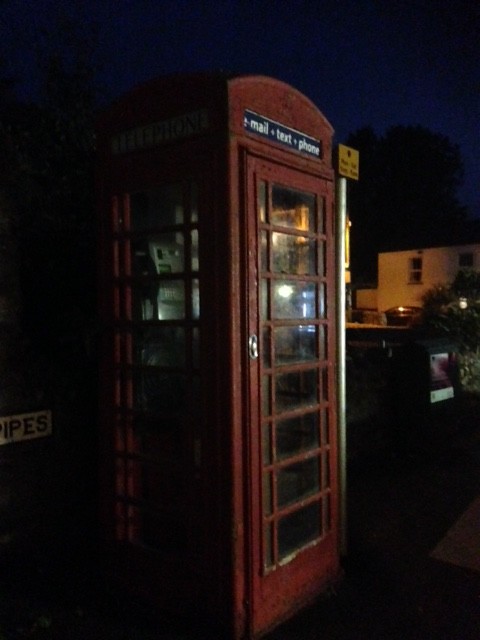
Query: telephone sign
x,y
279,133
157,133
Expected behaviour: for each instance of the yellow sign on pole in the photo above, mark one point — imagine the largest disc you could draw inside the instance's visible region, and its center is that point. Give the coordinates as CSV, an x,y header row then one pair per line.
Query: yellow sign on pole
x,y
348,162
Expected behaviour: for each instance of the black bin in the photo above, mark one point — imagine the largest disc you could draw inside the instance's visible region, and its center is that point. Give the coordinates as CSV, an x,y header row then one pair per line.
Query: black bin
x,y
425,386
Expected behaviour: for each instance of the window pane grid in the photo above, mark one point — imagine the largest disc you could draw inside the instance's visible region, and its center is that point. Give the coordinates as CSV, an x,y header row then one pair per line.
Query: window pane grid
x,y
155,241
294,395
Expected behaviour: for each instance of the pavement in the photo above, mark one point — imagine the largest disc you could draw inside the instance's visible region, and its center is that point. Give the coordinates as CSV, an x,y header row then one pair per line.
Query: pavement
x,y
411,570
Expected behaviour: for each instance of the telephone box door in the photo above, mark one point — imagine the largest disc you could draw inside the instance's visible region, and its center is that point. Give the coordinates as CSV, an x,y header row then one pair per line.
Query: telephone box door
x,y
291,441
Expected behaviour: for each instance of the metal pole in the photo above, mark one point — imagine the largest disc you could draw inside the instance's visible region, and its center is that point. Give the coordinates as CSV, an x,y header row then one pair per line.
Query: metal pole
x,y
341,221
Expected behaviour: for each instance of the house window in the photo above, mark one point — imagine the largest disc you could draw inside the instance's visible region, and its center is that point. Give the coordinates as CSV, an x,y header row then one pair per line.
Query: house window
x,y
465,260
415,271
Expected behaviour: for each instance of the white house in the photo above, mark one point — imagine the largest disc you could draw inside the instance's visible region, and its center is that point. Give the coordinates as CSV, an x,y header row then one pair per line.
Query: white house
x,y
404,276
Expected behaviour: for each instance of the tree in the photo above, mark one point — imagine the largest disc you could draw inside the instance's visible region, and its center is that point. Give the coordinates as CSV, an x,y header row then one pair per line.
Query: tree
x,y
10,295
47,237
406,196
453,310
53,143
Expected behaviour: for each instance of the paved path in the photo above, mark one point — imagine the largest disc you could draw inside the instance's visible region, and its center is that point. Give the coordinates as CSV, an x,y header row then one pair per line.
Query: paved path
x,y
399,583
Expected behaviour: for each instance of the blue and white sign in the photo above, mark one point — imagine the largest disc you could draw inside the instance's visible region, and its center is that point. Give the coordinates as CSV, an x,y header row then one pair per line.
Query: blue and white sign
x,y
279,133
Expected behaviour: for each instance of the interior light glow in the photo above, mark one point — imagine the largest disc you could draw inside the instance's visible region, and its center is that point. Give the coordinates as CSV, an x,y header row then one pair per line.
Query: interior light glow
x,y
285,291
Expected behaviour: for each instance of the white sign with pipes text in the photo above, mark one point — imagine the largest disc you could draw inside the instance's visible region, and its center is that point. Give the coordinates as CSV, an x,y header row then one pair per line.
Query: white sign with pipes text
x,y
25,426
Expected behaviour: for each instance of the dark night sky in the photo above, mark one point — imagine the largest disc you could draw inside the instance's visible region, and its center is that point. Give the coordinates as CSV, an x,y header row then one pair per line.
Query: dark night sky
x,y
362,62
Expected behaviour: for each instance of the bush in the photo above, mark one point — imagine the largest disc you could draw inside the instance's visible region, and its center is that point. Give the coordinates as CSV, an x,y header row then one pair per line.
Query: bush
x,y
454,311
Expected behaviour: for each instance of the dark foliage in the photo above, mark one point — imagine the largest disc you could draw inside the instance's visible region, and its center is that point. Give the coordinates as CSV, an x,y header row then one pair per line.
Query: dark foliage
x,y
443,313
47,222
406,196
48,152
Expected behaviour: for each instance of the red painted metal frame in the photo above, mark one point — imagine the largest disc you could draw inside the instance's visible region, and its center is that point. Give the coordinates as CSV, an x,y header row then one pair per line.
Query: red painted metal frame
x,y
222,584
274,594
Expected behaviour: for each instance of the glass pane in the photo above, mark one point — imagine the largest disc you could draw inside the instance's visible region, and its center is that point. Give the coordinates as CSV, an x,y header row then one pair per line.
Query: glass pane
x,y
324,384
117,263
324,423
117,214
195,395
194,240
264,299
159,390
142,262
327,512
264,251
291,208
267,494
266,349
262,201
298,529
322,301
321,215
195,299
144,303
321,259
296,435
160,347
295,344
293,299
122,385
161,300
268,533
266,396
293,254
266,444
322,349
325,470
196,347
194,202
171,300
162,253
156,207
297,481
296,390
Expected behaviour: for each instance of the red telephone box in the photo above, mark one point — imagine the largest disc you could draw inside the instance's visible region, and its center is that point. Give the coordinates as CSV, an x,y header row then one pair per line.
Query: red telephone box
x,y
219,459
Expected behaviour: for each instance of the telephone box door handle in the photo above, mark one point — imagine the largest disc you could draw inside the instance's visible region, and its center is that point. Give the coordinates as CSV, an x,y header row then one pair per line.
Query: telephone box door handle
x,y
253,347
